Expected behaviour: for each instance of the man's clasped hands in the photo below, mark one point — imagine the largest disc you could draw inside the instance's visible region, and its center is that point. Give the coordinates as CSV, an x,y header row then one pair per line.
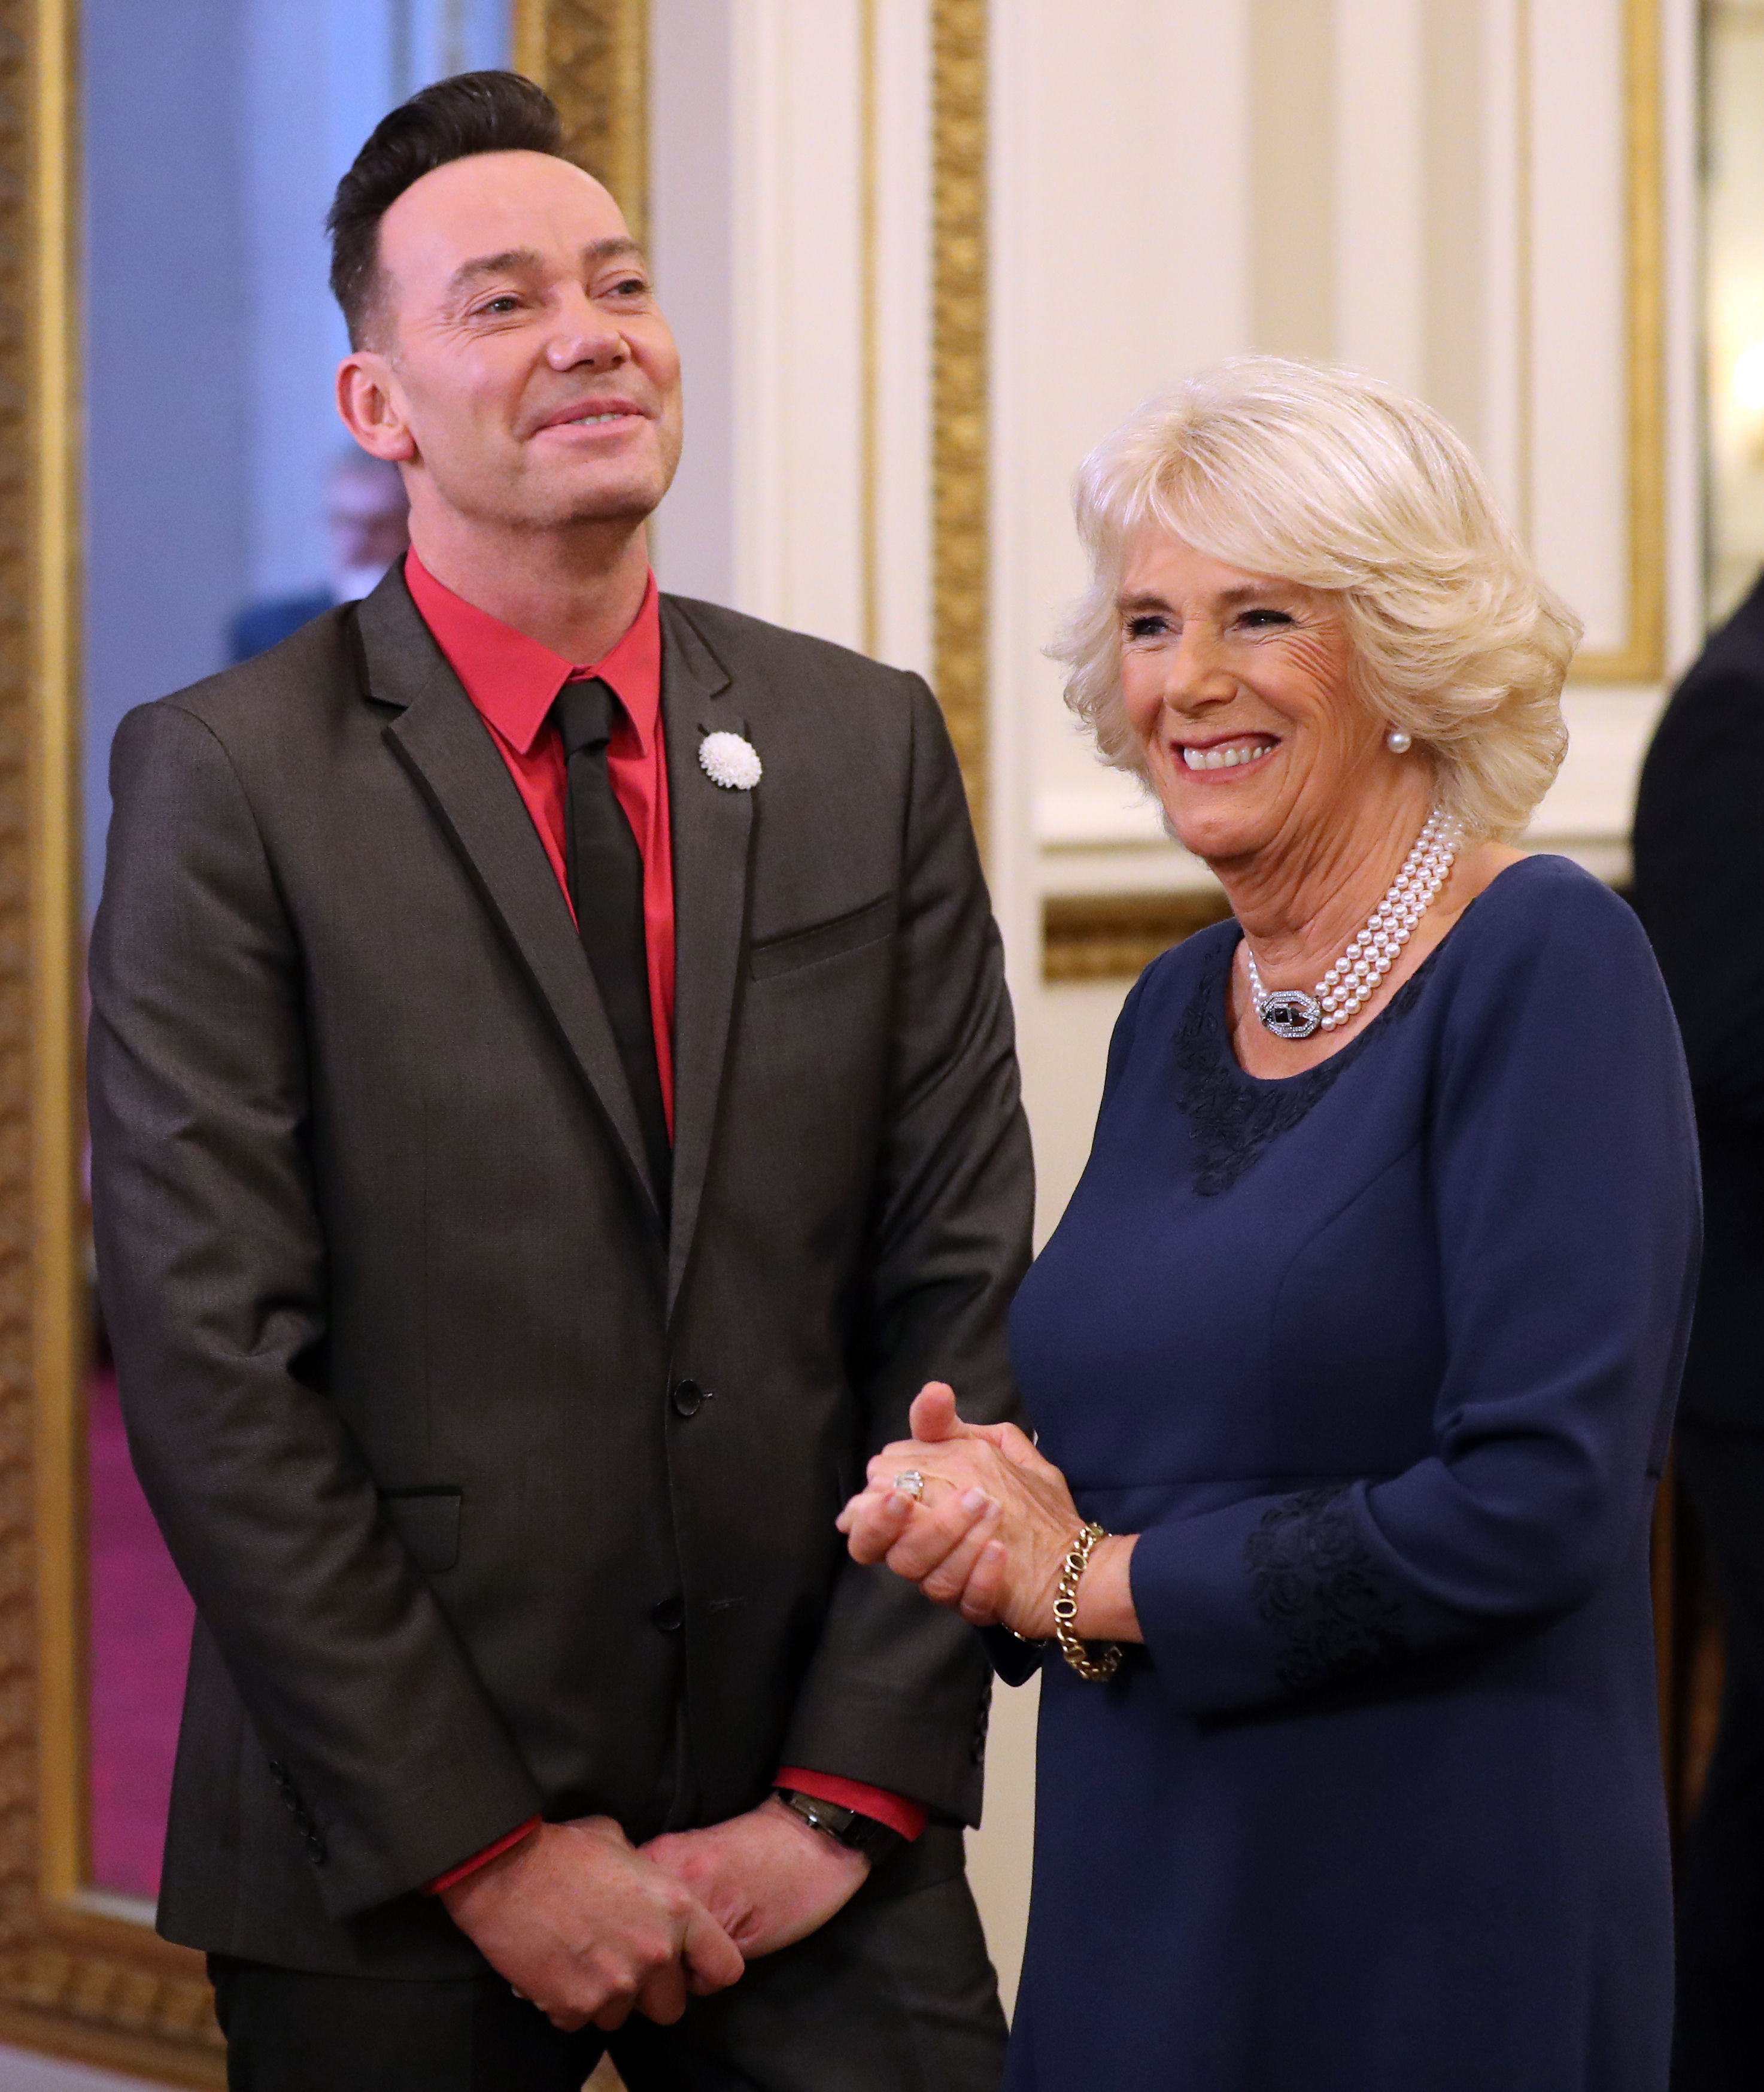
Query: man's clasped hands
x,y
592,1927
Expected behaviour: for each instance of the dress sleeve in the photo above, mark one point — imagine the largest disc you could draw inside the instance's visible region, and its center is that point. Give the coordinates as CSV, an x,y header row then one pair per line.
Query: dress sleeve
x,y
1561,1158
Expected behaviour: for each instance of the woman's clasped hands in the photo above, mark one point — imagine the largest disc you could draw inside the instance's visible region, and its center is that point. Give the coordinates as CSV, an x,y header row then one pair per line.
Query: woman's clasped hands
x,y
990,1529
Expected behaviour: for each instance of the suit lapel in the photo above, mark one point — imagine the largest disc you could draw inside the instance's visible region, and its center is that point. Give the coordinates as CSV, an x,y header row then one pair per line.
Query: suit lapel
x,y
440,739
712,832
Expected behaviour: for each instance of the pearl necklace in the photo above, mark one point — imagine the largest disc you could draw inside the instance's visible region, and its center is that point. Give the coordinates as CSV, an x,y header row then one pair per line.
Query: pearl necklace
x,y
1351,982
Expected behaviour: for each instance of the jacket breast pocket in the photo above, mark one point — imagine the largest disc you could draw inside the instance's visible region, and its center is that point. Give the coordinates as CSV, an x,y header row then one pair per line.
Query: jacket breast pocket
x,y
832,940
427,1521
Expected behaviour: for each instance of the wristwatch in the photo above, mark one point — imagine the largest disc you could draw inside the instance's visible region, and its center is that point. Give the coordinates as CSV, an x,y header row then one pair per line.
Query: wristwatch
x,y
849,1828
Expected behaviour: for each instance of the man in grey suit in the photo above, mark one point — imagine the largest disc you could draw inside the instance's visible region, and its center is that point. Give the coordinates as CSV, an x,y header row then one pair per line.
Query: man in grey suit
x,y
553,1103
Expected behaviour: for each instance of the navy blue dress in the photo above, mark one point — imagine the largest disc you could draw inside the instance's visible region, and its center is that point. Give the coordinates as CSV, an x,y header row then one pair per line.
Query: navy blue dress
x,y
1380,1360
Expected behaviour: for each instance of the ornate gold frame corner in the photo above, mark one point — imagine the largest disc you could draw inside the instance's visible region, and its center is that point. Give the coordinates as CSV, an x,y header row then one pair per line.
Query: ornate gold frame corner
x,y
82,1974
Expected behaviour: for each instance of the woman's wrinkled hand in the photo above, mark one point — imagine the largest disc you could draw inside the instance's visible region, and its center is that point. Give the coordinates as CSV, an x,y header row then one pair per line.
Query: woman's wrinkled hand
x,y
991,1530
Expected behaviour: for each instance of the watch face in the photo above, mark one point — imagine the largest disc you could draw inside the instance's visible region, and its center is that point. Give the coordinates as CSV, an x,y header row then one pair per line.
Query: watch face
x,y
823,1815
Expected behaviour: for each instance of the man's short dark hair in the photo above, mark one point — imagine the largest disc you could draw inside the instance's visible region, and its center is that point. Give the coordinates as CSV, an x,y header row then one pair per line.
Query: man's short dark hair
x,y
473,112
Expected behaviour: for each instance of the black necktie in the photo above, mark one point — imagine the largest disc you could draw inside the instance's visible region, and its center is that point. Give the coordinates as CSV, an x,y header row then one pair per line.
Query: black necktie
x,y
606,886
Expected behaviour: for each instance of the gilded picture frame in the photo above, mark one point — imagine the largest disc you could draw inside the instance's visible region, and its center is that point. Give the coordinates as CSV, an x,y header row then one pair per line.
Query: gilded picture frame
x,y
960,480
82,1974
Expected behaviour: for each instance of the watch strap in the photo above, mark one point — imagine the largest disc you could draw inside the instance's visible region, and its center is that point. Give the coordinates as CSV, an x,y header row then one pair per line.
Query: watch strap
x,y
849,1828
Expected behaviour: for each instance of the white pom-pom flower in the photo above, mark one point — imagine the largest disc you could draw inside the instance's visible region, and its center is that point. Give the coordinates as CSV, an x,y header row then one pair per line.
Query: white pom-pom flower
x,y
730,760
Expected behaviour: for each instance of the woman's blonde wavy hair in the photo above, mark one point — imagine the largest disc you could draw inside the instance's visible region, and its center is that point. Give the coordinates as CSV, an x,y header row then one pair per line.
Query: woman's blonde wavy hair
x,y
1325,476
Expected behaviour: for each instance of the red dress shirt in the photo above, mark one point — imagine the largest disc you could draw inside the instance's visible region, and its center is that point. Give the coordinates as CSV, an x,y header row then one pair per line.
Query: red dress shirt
x,y
514,681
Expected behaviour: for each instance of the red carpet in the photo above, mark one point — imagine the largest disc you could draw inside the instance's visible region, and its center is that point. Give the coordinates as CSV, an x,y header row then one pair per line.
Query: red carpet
x,y
141,1617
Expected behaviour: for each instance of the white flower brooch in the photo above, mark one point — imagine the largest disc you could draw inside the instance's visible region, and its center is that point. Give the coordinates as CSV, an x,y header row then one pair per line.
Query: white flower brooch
x,y
730,760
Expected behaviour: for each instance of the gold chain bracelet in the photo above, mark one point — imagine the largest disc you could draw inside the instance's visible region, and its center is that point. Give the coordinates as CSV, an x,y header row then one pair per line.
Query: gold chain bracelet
x,y
1065,1612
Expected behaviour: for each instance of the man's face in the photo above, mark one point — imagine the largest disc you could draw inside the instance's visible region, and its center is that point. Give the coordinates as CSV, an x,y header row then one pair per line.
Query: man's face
x,y
531,380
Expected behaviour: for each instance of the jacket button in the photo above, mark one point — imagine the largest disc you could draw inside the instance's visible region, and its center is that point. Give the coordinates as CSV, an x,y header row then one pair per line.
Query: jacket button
x,y
688,1397
315,1848
670,1615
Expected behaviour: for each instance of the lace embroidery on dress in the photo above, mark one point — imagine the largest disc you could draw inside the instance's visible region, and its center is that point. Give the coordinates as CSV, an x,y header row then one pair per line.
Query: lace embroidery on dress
x,y
1232,1117
1317,1583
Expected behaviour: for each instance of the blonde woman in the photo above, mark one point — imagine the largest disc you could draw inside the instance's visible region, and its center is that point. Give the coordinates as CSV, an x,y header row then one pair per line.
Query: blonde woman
x,y
1353,1358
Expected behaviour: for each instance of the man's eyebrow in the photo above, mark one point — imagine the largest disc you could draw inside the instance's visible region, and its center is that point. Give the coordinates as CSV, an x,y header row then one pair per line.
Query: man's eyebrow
x,y
620,246
508,263
514,260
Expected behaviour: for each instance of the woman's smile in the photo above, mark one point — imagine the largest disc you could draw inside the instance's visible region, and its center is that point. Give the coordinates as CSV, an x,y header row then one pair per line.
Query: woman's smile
x,y
1213,759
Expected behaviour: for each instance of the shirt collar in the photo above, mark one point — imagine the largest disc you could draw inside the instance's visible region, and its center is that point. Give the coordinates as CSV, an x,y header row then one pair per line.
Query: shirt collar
x,y
514,681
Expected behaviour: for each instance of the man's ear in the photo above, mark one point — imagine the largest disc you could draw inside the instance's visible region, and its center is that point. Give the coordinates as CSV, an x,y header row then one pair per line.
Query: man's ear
x,y
367,399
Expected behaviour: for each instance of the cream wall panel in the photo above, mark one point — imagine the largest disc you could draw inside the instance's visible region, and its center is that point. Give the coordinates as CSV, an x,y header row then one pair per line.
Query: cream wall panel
x,y
1588,811
1687,609
798,316
1577,260
1490,402
1380,225
1457,159
899,444
691,234
1736,293
1121,237
1291,168
828,205
1683,300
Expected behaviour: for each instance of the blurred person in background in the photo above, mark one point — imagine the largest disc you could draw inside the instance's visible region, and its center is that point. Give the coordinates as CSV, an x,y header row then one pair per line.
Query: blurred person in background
x,y
1699,884
367,518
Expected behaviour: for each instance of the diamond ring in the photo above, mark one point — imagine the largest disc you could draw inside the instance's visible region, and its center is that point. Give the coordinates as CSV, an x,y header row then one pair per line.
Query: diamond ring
x,y
911,1484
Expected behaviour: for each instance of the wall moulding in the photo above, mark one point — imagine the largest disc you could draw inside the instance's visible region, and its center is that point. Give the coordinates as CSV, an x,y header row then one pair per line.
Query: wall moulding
x,y
82,1974
1116,936
1641,657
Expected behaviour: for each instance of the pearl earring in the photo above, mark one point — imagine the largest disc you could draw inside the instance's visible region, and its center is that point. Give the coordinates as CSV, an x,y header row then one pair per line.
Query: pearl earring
x,y
1398,742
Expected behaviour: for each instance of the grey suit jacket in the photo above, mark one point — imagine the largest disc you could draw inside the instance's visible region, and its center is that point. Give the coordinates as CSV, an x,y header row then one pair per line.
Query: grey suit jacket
x,y
493,1497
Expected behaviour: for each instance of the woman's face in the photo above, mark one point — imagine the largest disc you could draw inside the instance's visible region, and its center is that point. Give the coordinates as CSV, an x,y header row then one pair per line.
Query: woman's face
x,y
1237,686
